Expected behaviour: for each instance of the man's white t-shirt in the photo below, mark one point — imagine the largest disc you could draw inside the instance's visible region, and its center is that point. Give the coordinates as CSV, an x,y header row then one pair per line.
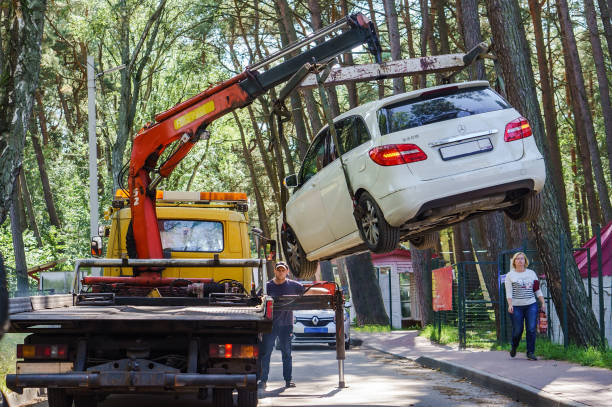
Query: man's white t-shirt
x,y
519,287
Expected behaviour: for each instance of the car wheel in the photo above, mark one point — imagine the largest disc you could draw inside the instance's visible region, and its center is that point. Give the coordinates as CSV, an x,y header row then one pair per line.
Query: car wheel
x,y
347,345
526,210
425,241
379,236
295,255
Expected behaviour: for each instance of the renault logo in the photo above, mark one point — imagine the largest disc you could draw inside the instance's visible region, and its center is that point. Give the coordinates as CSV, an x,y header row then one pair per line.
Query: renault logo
x,y
315,320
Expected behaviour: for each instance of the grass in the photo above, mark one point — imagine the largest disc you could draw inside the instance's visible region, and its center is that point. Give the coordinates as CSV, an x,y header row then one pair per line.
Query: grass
x,y
8,356
544,348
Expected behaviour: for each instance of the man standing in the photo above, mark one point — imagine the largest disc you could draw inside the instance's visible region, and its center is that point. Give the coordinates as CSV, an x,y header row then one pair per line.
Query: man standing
x,y
282,324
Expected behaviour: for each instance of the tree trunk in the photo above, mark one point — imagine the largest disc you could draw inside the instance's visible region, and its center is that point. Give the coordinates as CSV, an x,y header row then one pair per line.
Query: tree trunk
x,y
425,33
25,193
602,79
576,196
513,53
380,83
3,298
19,68
394,42
21,268
581,142
264,154
327,272
576,81
366,295
604,9
409,39
348,61
422,280
472,35
40,111
44,179
548,103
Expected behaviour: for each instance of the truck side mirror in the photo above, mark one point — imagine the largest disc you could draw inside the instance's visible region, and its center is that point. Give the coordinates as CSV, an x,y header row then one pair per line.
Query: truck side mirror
x,y
96,246
291,181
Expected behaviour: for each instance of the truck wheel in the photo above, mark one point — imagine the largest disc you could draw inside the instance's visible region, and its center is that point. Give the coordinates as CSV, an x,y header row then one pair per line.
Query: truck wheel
x,y
247,398
85,400
59,398
526,210
222,398
378,235
300,266
425,241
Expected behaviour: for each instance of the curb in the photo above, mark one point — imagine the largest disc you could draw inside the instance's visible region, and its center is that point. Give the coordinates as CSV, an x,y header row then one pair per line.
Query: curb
x,y
515,390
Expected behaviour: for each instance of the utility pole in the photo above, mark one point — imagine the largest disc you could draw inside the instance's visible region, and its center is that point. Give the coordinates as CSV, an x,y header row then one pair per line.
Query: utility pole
x,y
93,153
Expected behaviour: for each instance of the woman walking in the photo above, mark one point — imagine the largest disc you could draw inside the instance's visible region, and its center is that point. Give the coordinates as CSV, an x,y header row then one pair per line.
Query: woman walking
x,y
522,288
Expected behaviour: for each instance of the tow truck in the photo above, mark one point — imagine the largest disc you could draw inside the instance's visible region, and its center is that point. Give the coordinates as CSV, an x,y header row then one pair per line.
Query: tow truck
x,y
176,309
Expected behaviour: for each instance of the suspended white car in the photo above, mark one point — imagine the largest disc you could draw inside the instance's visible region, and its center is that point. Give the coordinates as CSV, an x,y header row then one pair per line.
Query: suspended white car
x,y
416,162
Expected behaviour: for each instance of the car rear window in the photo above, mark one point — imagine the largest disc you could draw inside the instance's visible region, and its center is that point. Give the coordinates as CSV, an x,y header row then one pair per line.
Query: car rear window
x,y
449,103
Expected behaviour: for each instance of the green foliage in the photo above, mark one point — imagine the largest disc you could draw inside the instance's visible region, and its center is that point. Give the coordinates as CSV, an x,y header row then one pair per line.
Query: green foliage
x,y
8,355
371,328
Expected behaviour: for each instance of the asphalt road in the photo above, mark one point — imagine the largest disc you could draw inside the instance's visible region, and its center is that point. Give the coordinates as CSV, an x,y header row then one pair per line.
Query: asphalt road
x,y
372,379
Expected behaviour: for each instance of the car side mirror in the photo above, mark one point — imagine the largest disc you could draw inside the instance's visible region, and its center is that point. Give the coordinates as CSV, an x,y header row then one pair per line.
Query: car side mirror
x,y
291,181
96,246
347,304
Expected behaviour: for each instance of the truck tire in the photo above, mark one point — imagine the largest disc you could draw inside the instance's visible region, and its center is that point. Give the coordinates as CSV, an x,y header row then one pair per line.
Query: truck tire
x,y
526,210
247,398
295,255
59,398
378,235
222,398
85,400
424,241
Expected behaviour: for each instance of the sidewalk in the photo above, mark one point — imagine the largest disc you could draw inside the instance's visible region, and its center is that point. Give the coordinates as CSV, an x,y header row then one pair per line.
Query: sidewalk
x,y
544,382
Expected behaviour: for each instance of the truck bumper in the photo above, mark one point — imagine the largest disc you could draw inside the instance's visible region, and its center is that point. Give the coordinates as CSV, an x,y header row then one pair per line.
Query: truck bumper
x,y
129,381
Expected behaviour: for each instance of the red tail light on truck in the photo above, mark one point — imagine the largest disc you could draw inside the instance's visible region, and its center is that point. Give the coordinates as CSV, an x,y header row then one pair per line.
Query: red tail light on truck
x,y
42,351
232,350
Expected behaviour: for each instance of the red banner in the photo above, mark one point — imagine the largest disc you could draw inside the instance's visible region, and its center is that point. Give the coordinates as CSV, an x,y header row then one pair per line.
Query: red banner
x,y
442,288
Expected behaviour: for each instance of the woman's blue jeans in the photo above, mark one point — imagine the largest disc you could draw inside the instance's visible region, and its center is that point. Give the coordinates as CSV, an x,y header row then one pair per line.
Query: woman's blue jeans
x,y
529,314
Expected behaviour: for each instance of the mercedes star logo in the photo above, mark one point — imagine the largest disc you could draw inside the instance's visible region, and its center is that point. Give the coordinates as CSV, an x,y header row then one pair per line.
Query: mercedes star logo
x,y
315,320
461,128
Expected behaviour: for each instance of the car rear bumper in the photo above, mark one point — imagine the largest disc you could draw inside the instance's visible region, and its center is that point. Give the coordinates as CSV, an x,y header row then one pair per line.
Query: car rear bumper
x,y
401,206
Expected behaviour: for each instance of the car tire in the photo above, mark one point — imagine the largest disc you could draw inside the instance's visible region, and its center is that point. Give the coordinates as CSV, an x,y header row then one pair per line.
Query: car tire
x,y
378,235
58,398
526,210
425,241
347,345
295,255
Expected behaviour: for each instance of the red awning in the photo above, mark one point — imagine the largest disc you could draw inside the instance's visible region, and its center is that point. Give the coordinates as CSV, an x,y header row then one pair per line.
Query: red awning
x,y
606,254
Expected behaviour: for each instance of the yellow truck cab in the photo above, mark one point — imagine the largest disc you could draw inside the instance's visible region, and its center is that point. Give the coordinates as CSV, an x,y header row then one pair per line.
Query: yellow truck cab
x,y
192,225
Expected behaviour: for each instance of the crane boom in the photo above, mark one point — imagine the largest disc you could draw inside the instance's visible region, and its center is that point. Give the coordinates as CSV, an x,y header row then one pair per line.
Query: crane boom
x,y
186,122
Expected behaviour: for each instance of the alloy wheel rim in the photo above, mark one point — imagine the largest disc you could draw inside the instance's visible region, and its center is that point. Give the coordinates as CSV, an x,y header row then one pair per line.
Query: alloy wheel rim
x,y
370,224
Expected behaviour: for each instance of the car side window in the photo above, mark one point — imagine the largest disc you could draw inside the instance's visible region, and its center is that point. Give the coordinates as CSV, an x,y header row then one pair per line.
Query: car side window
x,y
314,161
352,132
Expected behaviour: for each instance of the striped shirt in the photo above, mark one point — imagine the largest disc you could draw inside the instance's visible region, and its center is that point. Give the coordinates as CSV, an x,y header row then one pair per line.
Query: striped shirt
x,y
519,287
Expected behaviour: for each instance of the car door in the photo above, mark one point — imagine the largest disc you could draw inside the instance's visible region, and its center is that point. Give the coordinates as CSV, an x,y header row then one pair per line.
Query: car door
x,y
355,141
305,210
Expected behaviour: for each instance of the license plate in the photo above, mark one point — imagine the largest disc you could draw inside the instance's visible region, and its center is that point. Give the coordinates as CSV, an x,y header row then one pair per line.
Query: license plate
x,y
466,148
316,330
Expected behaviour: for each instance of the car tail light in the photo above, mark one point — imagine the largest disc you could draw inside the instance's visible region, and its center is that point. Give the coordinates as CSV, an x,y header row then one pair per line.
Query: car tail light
x,y
397,154
233,350
42,351
517,129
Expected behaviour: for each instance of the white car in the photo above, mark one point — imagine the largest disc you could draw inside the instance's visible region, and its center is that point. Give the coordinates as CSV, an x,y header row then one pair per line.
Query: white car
x,y
417,162
318,326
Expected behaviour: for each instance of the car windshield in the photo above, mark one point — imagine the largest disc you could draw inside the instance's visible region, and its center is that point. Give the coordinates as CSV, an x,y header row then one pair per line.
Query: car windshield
x,y
191,235
437,107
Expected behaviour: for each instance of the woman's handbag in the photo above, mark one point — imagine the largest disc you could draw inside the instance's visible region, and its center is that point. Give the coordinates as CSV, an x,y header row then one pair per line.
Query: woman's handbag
x,y
542,323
